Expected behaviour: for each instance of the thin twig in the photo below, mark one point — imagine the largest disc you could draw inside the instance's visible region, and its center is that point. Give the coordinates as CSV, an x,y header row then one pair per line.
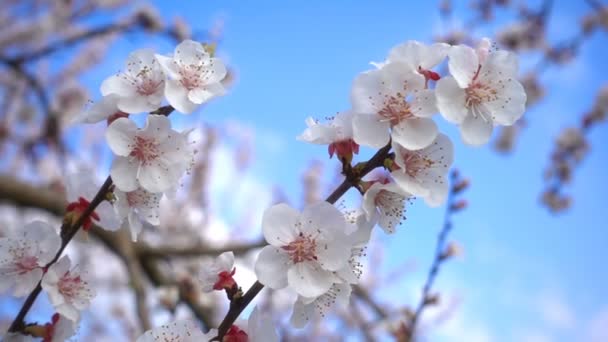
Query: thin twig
x,y
239,304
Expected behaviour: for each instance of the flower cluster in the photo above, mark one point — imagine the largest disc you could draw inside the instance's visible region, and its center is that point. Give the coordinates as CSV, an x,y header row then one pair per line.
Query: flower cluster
x,y
24,262
316,252
150,161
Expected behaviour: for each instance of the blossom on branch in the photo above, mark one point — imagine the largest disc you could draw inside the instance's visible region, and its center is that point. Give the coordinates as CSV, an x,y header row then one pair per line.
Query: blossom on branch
x,y
24,255
60,329
195,76
384,202
422,173
136,206
154,157
482,92
81,186
337,133
420,57
140,87
308,309
68,289
393,97
305,248
217,275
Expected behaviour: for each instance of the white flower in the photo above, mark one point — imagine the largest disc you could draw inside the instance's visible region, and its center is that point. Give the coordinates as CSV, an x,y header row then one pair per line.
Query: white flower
x,y
305,248
182,331
24,255
68,290
141,87
384,203
60,329
482,93
195,76
154,157
420,57
422,172
217,275
81,186
103,109
136,206
305,309
393,97
357,238
337,133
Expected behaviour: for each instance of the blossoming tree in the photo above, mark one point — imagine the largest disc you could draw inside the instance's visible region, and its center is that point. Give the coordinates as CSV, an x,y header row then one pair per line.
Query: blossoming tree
x,y
317,256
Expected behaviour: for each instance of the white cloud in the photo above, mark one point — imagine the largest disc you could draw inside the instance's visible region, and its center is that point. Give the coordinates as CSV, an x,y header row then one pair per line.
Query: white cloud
x,y
555,311
598,327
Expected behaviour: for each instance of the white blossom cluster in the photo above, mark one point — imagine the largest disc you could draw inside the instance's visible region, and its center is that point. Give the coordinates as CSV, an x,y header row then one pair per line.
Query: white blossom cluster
x,y
23,259
314,252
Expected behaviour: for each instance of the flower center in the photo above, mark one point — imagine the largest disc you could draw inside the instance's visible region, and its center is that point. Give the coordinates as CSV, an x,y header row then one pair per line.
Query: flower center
x,y
303,248
145,149
147,85
396,109
191,76
69,286
415,163
478,93
26,264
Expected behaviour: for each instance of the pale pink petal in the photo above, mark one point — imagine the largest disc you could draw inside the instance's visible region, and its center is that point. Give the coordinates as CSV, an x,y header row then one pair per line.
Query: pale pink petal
x,y
451,100
308,279
475,130
177,96
169,66
463,64
368,130
423,104
119,136
124,173
333,256
119,85
279,224
415,134
155,177
271,267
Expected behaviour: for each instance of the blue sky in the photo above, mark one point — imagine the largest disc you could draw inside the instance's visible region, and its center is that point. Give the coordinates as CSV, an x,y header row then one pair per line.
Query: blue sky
x,y
521,264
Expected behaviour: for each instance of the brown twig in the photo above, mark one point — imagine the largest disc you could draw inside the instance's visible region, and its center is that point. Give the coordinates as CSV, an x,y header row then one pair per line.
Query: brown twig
x,y
68,231
239,304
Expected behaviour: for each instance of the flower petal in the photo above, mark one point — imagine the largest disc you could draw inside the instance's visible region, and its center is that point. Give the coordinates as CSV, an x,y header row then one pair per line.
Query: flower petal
x,y
279,224
368,130
124,174
415,134
177,96
120,136
451,100
308,279
155,177
463,64
475,130
117,84
271,267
